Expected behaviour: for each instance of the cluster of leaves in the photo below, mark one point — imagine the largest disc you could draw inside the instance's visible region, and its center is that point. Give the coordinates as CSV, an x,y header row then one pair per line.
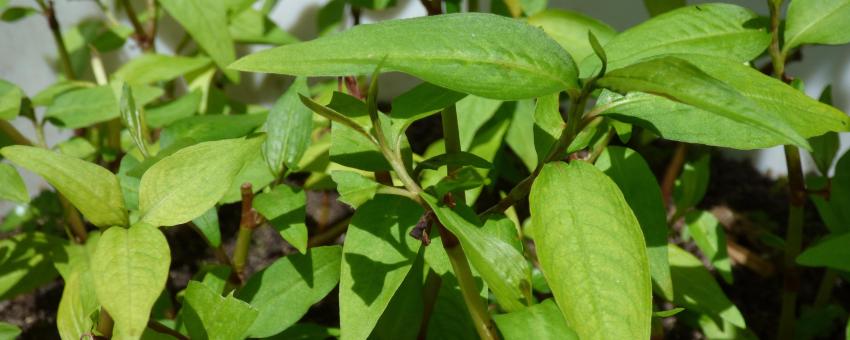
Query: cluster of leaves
x,y
160,145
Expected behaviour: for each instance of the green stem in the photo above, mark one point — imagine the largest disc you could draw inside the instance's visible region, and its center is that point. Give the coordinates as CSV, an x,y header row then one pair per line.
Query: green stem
x,y
827,283
477,308
797,194
430,292
247,224
141,35
50,13
73,219
397,191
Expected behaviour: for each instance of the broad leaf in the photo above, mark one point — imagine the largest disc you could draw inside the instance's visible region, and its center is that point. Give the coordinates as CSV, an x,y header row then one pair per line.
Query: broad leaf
x,y
692,183
79,300
165,114
832,252
521,131
254,27
419,102
208,225
570,29
488,55
129,268
45,97
288,128
184,185
10,100
205,22
12,187
817,22
633,176
10,331
285,209
354,189
824,149
26,262
695,289
593,254
152,68
709,236
210,127
208,315
285,290
92,189
473,113
720,31
255,171
502,267
543,321
683,82
377,255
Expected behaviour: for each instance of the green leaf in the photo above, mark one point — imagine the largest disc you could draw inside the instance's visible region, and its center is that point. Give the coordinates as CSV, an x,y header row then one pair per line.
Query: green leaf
x,y
473,113
354,189
719,31
834,211
285,290
129,268
255,171
184,185
81,108
695,289
208,315
570,29
9,331
79,300
92,189
77,147
824,149
253,27
593,254
210,128
26,262
463,179
10,100
419,102
833,252
205,22
288,128
657,7
167,113
692,183
636,181
456,158
16,13
683,82
502,267
12,187
488,55
330,17
667,313
152,68
377,255
134,120
709,236
45,97
548,124
817,22
542,321
521,131
285,209
208,225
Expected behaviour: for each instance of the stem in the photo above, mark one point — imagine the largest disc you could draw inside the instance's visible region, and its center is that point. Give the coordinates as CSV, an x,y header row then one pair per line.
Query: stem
x,y
10,131
330,234
73,219
827,283
477,308
430,292
672,172
247,224
574,125
797,194
219,253
397,191
141,35
104,323
50,13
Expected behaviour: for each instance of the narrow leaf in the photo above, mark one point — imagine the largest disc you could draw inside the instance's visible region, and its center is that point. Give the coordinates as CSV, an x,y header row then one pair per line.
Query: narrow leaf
x,y
92,189
129,268
285,290
832,253
204,21
497,51
354,189
657,7
288,128
184,185
681,81
151,68
208,225
505,270
593,254
10,100
134,120
695,289
570,30
709,236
